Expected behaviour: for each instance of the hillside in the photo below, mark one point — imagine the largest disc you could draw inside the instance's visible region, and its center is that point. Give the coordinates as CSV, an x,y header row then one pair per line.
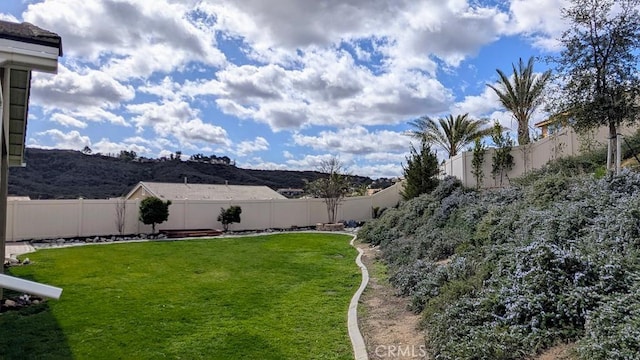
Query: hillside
x,y
67,174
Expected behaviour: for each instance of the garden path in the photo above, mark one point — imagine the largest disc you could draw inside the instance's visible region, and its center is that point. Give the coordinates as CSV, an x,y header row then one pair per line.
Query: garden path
x,y
389,329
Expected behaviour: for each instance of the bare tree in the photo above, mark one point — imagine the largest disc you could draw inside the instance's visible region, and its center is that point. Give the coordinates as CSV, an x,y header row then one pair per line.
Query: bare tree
x,y
332,188
121,212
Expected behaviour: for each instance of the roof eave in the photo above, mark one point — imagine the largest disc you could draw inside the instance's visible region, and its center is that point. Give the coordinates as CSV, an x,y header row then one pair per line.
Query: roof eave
x,y
33,56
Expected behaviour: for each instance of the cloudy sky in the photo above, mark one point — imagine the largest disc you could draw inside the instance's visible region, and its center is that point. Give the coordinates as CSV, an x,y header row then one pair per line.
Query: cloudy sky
x,y
276,84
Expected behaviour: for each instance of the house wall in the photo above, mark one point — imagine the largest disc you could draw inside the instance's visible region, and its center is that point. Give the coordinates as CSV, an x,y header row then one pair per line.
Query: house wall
x,y
525,158
39,219
139,193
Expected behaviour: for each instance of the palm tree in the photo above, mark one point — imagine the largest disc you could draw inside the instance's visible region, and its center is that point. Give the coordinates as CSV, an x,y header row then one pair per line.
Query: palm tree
x,y
450,133
522,96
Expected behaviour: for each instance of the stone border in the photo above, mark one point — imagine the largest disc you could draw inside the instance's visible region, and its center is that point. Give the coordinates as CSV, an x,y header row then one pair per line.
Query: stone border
x,y
359,347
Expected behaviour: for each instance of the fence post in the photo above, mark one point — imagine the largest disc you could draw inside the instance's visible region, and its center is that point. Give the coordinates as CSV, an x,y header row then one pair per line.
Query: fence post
x,y
184,214
12,211
137,210
80,216
618,153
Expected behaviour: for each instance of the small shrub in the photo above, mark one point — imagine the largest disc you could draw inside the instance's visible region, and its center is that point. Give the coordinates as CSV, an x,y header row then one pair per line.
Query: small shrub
x,y
229,216
446,187
547,189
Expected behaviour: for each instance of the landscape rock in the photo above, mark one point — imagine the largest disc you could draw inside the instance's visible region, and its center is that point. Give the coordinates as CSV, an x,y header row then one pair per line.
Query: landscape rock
x,y
10,303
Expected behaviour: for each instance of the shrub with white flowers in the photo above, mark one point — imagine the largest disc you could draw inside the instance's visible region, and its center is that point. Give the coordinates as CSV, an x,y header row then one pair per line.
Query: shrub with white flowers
x,y
506,274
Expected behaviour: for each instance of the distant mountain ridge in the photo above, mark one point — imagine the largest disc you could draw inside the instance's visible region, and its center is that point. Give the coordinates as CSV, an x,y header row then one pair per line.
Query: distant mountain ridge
x,y
68,174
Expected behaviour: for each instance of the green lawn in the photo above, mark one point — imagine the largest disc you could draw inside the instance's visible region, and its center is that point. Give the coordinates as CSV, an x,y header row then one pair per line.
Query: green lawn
x,y
282,296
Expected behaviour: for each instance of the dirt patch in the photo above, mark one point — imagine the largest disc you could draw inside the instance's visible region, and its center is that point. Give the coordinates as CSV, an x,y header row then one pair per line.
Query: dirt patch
x,y
558,352
390,331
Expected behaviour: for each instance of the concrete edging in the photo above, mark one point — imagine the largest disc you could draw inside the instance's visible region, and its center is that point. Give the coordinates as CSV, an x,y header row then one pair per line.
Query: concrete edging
x,y
357,341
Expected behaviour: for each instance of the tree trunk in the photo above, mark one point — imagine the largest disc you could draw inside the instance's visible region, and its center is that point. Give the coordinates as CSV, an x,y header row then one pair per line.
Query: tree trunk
x,y
613,142
523,133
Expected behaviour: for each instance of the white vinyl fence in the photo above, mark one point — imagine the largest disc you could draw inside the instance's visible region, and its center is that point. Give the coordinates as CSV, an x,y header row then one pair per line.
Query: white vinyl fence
x,y
39,219
526,158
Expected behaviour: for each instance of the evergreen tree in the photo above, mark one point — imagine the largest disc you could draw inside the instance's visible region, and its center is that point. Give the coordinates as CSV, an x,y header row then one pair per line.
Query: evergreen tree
x,y
421,172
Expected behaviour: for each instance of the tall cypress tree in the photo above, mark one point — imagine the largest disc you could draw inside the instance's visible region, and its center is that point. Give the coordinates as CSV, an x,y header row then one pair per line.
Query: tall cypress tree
x,y
421,172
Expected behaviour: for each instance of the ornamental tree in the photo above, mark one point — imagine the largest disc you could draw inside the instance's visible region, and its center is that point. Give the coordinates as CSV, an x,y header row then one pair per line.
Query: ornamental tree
x,y
229,216
154,211
598,66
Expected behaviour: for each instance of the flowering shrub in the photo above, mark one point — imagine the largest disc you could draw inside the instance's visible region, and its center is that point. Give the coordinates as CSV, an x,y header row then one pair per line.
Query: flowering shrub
x,y
505,274
613,329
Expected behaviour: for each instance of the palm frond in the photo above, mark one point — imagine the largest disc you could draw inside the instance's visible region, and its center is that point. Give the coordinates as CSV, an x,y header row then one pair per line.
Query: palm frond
x,y
522,94
449,133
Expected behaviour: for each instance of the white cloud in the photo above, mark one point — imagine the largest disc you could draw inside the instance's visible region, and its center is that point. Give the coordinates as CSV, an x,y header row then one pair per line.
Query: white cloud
x,y
87,94
8,17
413,28
259,164
541,20
68,121
196,130
130,39
314,161
428,28
327,89
72,140
478,106
378,170
375,171
81,88
176,118
386,157
247,147
355,140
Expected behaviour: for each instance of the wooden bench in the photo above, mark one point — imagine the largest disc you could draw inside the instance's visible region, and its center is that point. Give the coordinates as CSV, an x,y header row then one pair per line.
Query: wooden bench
x,y
191,233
